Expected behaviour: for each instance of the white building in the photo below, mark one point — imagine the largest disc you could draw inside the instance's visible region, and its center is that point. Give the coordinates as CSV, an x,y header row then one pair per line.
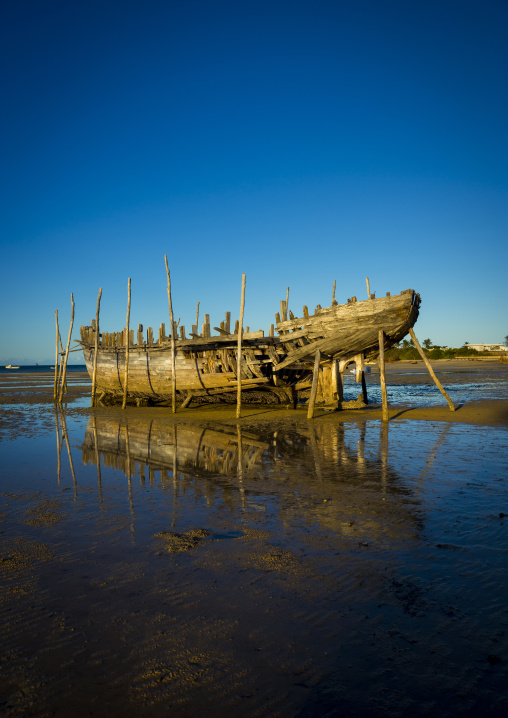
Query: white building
x,y
489,347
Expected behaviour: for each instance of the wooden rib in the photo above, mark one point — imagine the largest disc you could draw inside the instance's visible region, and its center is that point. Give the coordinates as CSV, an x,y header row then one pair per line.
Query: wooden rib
x,y
368,287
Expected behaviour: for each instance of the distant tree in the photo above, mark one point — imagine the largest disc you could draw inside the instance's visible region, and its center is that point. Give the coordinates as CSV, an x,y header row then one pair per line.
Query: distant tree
x,y
427,343
506,341
406,344
466,344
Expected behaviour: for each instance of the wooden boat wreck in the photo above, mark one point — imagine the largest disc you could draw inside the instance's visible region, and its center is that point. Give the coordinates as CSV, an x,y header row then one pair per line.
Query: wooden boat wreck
x,y
277,368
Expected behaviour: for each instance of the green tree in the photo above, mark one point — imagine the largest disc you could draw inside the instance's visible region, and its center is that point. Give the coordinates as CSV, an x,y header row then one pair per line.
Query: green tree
x,y
427,343
506,341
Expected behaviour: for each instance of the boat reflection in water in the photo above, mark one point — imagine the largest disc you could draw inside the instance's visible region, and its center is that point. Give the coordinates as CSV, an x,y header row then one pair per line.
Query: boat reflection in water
x,y
330,476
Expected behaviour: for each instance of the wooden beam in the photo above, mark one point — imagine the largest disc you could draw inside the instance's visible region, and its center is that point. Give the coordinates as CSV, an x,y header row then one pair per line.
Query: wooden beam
x,y
187,400
96,348
368,287
382,377
239,355
431,371
173,363
125,385
313,391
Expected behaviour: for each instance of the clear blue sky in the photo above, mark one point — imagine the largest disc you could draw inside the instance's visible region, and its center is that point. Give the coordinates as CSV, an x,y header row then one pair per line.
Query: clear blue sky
x,y
298,142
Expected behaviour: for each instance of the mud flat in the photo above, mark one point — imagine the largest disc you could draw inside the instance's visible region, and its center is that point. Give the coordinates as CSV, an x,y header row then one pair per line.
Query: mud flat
x,y
158,565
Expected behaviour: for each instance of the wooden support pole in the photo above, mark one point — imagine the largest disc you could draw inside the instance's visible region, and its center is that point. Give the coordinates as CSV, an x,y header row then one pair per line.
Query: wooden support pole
x,y
173,359
431,370
239,353
96,348
187,400
64,370
60,368
126,380
313,391
197,316
364,389
287,303
368,287
333,291
55,389
382,377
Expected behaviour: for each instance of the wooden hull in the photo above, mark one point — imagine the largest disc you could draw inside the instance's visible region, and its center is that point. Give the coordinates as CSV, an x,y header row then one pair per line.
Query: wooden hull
x,y
272,367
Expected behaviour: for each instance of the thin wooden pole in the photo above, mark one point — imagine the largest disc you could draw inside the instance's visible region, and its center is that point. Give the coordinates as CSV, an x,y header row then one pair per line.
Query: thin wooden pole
x,y
173,362
431,370
197,318
313,391
96,349
333,290
287,303
368,287
239,353
64,371
127,322
382,377
60,368
57,358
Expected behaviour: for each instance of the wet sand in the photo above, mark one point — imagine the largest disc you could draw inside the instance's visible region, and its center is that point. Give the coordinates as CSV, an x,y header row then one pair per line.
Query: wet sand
x,y
157,565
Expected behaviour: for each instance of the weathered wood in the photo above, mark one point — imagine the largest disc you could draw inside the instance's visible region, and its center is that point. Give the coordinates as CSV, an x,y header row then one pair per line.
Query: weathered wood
x,y
57,357
221,331
368,287
197,317
139,336
431,371
239,353
173,367
126,379
333,291
187,400
364,389
382,377
205,363
227,323
313,391
60,370
272,330
96,348
64,370
283,310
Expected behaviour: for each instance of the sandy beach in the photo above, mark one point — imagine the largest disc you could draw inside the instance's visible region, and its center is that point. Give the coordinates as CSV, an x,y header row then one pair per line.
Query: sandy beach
x,y
156,564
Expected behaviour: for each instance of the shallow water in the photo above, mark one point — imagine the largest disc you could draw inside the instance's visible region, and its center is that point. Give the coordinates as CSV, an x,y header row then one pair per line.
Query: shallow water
x,y
285,568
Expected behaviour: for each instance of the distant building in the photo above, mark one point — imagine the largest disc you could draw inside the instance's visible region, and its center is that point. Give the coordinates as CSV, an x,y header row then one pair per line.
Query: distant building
x,y
489,347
